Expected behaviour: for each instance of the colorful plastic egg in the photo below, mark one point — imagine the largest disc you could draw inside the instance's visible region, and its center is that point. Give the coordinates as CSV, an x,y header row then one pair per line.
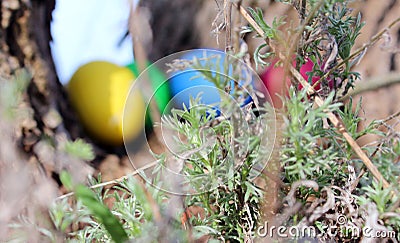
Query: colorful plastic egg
x,y
98,92
273,77
191,83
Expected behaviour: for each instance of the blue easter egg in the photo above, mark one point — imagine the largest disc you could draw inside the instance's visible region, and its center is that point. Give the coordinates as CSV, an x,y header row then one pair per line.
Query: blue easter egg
x,y
188,83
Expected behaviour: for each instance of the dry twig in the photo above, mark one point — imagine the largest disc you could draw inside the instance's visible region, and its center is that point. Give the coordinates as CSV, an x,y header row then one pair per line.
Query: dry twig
x,y
373,83
228,25
359,51
113,182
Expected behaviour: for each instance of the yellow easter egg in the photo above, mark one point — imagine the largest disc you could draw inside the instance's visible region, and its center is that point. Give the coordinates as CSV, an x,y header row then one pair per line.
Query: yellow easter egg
x,y
98,91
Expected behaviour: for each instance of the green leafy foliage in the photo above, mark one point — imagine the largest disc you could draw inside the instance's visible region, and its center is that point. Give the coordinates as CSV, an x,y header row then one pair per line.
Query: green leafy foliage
x,y
305,154
11,93
79,149
344,28
380,196
100,211
270,31
222,176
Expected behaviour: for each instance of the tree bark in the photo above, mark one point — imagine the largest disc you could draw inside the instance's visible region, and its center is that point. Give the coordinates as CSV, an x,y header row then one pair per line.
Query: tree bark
x,y
25,45
174,27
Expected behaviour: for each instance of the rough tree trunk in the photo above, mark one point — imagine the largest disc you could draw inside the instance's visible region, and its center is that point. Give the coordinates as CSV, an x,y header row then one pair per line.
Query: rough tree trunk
x,y
26,166
24,44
